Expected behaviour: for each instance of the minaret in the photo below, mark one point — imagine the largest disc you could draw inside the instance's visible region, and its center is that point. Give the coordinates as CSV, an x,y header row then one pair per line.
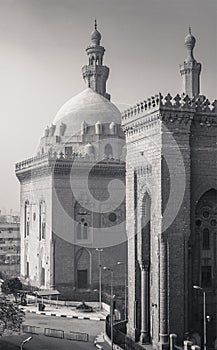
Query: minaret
x,y
95,74
190,70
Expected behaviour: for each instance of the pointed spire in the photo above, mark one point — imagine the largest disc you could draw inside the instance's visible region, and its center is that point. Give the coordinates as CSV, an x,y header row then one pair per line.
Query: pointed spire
x,y
95,36
96,74
189,29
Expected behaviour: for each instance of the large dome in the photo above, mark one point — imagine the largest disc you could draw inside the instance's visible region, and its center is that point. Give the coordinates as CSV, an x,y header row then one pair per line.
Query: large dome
x,y
88,106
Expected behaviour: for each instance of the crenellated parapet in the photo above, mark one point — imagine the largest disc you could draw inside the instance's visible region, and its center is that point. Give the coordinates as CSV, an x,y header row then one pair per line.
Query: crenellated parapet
x,y
167,108
51,158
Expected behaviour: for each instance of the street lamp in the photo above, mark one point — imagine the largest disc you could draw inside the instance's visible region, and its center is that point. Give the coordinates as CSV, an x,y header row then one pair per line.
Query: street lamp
x,y
125,287
24,342
204,315
111,307
100,250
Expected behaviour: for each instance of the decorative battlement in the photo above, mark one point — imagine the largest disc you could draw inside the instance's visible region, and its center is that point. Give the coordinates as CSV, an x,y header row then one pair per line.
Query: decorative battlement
x,y
52,157
199,104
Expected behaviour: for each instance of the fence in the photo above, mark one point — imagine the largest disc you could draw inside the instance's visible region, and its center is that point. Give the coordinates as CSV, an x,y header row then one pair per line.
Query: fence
x,y
78,336
120,337
30,329
56,333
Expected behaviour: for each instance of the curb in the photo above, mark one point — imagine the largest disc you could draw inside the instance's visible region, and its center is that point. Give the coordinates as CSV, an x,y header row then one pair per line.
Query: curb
x,y
98,346
67,316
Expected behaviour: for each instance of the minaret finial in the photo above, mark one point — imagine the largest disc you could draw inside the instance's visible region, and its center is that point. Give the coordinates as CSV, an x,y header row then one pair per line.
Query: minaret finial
x,y
95,73
190,70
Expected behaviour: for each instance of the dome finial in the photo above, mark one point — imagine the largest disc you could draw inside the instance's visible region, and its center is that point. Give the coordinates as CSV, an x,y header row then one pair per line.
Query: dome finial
x,y
95,36
189,29
95,24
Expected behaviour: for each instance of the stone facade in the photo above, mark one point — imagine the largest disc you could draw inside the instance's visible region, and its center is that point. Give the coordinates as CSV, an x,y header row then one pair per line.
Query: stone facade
x,y
71,199
170,195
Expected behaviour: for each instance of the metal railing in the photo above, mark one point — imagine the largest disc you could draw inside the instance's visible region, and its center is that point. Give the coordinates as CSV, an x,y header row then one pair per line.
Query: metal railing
x,y
56,333
30,329
78,336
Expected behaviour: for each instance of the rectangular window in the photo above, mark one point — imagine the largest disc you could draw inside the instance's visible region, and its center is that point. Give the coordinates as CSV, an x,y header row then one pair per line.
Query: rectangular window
x,y
206,276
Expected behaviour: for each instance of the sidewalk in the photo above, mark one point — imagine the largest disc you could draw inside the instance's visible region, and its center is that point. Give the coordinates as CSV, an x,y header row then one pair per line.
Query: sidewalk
x,y
68,311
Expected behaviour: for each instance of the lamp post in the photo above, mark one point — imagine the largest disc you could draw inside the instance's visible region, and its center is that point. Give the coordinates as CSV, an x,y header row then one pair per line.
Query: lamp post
x,y
100,250
204,315
125,287
111,307
24,342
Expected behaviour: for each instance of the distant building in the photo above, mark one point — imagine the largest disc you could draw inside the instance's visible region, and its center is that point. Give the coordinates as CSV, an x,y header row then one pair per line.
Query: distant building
x,y
171,212
65,205
10,245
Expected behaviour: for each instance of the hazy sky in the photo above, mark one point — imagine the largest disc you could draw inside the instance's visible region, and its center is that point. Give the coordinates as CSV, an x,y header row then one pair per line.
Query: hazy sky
x,y
43,49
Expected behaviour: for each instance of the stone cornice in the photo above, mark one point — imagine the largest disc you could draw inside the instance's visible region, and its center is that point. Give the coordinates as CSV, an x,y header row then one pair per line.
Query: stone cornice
x,y
60,164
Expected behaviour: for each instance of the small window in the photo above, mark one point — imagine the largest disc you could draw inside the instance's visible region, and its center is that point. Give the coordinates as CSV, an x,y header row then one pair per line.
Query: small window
x,y
206,239
82,230
206,276
112,217
27,269
42,276
198,222
205,214
26,219
68,151
79,231
42,220
85,231
213,222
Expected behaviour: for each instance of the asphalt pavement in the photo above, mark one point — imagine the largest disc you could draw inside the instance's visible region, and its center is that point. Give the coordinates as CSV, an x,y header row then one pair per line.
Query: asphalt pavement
x,y
41,342
92,328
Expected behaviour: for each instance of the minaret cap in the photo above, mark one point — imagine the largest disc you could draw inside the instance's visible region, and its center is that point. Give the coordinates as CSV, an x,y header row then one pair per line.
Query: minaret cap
x,y
95,36
190,43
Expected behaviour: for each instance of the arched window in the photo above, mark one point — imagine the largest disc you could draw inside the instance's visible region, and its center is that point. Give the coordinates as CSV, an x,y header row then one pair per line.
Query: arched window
x,y
82,230
26,219
82,218
79,231
206,239
205,233
42,220
85,231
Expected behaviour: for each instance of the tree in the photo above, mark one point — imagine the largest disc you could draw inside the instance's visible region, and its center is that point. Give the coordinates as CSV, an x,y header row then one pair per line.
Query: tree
x,y
12,286
11,317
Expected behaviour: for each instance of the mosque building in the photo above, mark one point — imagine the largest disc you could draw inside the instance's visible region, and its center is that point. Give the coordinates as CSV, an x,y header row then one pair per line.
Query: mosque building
x,y
171,214
72,202
72,194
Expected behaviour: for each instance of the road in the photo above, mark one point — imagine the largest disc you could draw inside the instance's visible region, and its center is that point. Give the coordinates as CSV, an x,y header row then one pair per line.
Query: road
x,y
41,342
93,328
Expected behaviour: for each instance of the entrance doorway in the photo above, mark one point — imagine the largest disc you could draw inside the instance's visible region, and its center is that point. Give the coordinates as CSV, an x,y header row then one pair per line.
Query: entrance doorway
x,y
82,279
